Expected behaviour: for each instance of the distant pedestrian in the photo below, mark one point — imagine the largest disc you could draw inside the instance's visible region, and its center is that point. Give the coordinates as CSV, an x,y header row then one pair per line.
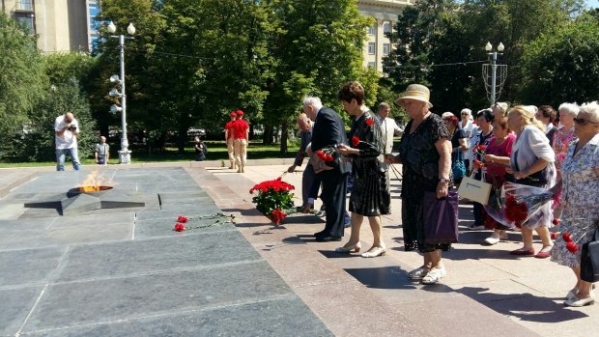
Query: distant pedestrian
x,y
102,152
66,131
230,140
200,149
241,131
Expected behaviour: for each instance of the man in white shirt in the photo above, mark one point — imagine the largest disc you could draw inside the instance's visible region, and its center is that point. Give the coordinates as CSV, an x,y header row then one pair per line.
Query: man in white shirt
x,y
66,130
388,127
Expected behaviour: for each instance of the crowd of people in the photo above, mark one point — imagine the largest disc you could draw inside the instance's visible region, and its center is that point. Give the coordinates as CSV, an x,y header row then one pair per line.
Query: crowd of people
x,y
556,151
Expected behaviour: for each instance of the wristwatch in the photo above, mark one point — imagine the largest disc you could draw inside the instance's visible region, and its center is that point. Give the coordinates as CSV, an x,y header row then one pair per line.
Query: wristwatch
x,y
443,180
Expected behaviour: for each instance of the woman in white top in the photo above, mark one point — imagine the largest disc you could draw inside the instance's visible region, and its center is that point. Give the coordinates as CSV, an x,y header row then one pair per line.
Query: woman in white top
x,y
532,163
470,130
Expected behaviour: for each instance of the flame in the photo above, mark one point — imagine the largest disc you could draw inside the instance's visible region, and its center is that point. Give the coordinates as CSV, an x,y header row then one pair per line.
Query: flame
x,y
93,183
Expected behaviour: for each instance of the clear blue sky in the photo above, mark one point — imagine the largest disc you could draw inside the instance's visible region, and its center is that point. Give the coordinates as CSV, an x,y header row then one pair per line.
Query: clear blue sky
x,y
593,3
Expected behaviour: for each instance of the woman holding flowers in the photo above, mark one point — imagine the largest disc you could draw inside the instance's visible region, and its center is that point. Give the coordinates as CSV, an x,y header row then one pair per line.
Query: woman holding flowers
x,y
484,118
497,158
561,140
580,183
370,195
532,163
425,154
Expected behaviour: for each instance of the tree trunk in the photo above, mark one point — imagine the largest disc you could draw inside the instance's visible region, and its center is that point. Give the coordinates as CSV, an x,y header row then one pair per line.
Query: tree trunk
x,y
268,133
284,136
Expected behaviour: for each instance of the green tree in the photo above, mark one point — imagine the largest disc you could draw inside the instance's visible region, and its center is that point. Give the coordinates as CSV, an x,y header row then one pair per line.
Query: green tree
x,y
561,65
22,78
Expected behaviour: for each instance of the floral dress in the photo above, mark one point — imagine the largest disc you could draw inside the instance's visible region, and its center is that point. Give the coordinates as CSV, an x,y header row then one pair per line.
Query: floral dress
x,y
580,199
420,164
370,191
561,141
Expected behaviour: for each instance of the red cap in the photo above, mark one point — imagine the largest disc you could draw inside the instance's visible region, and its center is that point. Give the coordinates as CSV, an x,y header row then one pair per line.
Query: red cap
x,y
239,113
233,114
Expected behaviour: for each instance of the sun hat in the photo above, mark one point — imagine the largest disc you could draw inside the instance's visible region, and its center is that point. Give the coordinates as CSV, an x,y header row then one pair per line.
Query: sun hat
x,y
417,92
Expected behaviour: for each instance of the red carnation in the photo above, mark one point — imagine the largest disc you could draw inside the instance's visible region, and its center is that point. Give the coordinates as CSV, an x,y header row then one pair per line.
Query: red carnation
x,y
553,236
567,237
572,247
482,148
369,121
355,141
179,227
329,158
556,222
182,219
278,216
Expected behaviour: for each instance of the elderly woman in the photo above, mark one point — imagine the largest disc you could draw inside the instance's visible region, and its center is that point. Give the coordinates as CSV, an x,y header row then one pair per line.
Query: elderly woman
x,y
458,142
370,195
500,109
484,118
580,182
547,115
469,129
561,140
425,154
532,163
497,158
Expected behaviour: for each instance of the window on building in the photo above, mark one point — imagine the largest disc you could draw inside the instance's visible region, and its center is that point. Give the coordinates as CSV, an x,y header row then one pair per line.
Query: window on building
x,y
386,27
93,11
371,64
25,5
370,30
386,48
371,48
27,21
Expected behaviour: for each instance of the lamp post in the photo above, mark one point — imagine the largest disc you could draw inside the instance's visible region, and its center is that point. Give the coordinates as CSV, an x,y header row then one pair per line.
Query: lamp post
x,y
124,153
494,67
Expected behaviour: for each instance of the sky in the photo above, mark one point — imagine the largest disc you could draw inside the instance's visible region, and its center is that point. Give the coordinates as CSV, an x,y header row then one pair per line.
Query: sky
x,y
592,3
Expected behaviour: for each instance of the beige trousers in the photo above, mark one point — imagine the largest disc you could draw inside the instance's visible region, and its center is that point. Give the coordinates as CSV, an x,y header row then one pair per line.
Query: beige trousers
x,y
231,150
241,146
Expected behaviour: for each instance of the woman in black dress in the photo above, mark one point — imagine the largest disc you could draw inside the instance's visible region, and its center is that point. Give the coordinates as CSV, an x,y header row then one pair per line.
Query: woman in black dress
x,y
425,155
370,193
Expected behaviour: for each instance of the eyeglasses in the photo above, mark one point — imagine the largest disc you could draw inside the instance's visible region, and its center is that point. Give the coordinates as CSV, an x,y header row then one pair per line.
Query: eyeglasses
x,y
583,121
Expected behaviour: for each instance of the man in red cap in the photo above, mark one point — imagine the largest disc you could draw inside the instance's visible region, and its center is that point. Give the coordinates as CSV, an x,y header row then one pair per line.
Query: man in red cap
x,y
229,139
241,130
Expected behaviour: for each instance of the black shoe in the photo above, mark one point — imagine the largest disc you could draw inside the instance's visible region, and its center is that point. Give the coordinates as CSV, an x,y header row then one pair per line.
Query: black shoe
x,y
328,238
321,233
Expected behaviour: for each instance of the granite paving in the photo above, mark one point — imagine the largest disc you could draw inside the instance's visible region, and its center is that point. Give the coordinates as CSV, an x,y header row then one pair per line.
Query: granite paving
x,y
125,272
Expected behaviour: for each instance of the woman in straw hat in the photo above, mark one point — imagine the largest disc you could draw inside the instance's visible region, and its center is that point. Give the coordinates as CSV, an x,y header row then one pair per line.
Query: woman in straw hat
x,y
425,154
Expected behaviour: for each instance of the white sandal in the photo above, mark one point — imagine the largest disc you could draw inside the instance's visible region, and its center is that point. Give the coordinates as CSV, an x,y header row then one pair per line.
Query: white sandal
x,y
418,274
434,275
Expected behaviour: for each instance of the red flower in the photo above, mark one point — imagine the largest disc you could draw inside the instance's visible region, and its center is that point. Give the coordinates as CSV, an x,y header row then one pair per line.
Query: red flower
x,y
355,141
571,247
478,164
182,219
554,236
369,121
179,227
329,157
567,237
278,216
556,222
482,148
514,211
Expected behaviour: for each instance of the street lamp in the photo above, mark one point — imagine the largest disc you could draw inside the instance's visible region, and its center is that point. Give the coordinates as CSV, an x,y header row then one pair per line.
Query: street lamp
x,y
124,153
495,69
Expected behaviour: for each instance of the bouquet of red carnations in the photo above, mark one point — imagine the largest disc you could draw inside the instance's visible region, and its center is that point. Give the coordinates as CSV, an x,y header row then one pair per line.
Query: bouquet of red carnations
x,y
273,199
515,204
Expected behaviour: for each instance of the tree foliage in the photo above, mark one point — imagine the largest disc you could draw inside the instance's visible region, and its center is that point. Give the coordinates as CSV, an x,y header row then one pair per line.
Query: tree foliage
x,y
22,78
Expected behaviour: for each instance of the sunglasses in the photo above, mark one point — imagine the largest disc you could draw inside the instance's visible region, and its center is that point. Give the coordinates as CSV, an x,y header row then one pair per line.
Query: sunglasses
x,y
583,121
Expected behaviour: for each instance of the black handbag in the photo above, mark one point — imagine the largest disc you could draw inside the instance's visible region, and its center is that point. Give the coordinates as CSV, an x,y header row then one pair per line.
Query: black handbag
x,y
589,259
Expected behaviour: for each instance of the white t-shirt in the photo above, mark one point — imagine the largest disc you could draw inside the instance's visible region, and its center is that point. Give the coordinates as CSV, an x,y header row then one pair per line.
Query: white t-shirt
x,y
67,140
471,131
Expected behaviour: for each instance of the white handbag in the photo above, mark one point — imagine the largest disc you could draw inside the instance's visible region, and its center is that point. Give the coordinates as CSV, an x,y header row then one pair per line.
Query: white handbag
x,y
475,190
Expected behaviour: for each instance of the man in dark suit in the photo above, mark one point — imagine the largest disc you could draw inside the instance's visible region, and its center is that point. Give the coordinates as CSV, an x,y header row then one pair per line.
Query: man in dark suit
x,y
328,131
308,177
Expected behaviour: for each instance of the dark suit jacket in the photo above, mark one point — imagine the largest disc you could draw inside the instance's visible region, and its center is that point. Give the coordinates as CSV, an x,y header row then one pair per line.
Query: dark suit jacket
x,y
329,130
306,137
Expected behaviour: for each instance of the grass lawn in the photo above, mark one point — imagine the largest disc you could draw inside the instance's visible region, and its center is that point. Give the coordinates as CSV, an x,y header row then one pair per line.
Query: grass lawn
x,y
217,150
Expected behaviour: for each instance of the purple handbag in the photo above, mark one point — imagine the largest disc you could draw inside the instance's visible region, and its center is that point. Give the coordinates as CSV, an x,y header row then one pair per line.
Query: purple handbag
x,y
440,217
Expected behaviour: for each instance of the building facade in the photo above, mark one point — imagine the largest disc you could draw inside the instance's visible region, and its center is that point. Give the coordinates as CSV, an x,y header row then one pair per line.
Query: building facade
x,y
385,12
61,25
